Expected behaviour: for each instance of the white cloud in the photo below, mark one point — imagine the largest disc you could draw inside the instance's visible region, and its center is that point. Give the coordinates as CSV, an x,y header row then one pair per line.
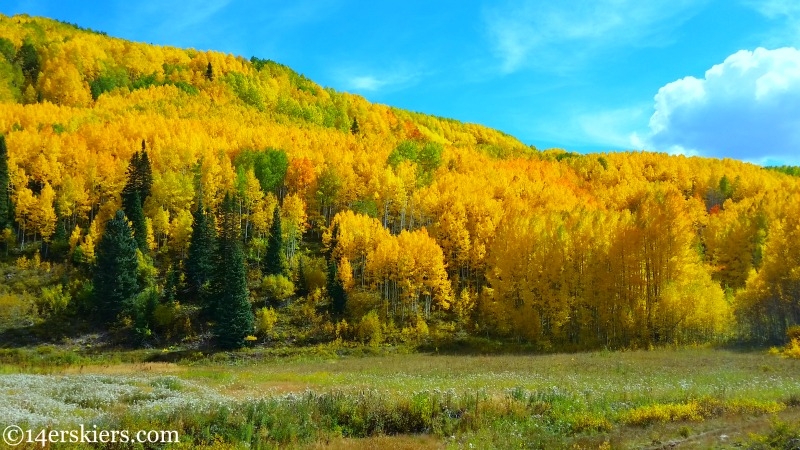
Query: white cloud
x,y
747,108
786,15
557,35
612,127
366,80
366,83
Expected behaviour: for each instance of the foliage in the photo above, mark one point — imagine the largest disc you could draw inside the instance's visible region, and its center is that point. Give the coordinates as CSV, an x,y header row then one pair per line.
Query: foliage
x,y
200,261
5,187
265,320
455,226
115,282
230,305
275,259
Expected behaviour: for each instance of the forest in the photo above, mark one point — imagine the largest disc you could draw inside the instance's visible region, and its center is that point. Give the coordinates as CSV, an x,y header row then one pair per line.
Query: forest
x,y
179,197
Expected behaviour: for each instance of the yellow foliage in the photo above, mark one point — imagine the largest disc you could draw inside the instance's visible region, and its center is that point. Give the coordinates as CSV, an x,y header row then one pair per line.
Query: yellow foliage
x,y
792,349
662,413
617,249
266,318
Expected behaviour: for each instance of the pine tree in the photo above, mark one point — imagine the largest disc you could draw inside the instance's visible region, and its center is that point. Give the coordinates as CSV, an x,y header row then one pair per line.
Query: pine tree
x,y
301,288
336,291
209,72
200,261
145,175
139,179
115,282
5,187
274,259
231,307
135,214
170,293
28,59
137,189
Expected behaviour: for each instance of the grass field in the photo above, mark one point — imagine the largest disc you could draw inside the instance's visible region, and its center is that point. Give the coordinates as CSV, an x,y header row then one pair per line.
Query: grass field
x,y
690,397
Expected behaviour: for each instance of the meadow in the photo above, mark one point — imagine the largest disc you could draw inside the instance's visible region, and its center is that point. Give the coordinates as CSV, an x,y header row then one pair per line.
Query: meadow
x,y
331,397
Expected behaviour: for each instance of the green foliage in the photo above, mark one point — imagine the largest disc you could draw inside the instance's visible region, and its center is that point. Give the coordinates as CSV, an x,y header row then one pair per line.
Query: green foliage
x,y
7,49
144,313
209,72
28,60
115,282
369,329
231,307
146,81
336,291
428,157
109,80
134,213
11,76
329,183
782,435
139,181
275,259
246,89
269,167
278,287
200,261
788,170
53,301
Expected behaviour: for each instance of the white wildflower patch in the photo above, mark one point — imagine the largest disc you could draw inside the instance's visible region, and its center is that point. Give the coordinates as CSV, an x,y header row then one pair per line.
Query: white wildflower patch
x,y
42,400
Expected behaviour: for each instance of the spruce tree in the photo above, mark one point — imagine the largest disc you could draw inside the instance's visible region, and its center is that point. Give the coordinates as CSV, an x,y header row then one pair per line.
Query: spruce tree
x,y
274,259
135,214
231,308
29,61
115,282
210,72
5,187
170,293
137,188
139,179
145,175
301,288
336,291
200,260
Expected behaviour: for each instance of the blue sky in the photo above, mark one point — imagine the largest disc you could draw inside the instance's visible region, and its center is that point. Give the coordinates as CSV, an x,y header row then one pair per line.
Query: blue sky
x,y
716,78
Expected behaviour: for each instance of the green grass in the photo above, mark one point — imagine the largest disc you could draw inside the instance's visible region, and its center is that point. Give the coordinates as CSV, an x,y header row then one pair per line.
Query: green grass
x,y
623,399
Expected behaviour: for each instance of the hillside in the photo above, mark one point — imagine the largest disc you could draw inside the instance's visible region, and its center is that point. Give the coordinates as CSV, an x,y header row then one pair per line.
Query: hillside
x,y
360,221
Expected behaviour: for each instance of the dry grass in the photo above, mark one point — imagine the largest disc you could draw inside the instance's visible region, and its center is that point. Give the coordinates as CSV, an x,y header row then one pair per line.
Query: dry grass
x,y
399,442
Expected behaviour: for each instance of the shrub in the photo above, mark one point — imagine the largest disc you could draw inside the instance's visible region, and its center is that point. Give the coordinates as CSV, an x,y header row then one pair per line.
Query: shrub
x,y
369,329
265,321
662,413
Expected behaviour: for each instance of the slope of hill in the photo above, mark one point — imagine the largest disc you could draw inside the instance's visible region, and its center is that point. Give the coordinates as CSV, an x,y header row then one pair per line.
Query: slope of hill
x,y
393,225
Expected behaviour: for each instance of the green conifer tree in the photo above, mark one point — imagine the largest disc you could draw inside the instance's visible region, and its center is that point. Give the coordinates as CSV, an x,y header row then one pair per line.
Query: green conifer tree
x,y
275,259
135,214
115,282
200,260
336,291
210,72
233,315
301,288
